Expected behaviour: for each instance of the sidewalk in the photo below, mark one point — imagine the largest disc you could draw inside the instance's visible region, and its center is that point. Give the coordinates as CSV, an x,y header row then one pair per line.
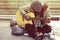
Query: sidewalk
x,y
5,34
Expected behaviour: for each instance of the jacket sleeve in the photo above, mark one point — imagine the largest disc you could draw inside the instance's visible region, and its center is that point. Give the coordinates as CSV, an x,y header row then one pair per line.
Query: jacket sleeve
x,y
19,18
47,16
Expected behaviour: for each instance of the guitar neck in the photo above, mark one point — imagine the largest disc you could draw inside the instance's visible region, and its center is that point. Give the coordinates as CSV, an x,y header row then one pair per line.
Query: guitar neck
x,y
36,18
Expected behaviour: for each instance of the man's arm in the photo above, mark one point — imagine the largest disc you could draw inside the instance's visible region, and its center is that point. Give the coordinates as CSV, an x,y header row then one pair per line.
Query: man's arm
x,y
47,16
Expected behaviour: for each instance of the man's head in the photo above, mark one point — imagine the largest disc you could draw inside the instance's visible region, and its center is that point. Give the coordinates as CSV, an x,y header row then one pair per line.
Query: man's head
x,y
36,6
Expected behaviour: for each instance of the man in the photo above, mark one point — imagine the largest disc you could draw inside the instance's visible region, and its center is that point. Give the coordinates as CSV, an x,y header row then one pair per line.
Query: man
x,y
44,28
36,29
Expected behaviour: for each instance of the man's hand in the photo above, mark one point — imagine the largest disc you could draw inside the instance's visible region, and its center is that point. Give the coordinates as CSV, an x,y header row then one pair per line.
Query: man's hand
x,y
45,33
27,17
47,20
39,34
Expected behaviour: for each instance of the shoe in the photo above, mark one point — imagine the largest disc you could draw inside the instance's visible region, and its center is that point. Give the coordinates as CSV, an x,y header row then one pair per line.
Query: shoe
x,y
38,38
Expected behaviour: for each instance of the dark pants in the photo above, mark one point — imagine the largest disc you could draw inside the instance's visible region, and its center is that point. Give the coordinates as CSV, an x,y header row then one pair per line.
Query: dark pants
x,y
31,29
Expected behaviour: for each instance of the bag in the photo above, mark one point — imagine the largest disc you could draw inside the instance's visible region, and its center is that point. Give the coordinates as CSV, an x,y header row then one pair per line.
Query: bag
x,y
16,30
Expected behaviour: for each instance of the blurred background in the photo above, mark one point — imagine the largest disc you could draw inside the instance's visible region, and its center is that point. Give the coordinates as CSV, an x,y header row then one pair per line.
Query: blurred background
x,y
8,10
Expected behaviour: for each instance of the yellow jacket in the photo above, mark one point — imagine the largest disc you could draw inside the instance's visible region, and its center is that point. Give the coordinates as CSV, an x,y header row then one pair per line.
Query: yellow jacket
x,y
19,18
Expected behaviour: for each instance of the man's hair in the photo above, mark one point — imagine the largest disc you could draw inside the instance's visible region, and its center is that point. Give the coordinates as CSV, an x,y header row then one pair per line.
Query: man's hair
x,y
36,6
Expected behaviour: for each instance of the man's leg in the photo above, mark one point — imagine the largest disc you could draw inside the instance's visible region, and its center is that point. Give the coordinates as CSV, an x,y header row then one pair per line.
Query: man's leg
x,y
30,29
44,29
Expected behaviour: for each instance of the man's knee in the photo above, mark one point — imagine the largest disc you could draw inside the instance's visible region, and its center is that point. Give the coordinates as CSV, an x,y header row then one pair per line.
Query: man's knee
x,y
48,28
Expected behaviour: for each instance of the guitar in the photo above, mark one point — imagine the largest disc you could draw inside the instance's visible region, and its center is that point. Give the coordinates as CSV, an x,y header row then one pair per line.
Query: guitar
x,y
22,21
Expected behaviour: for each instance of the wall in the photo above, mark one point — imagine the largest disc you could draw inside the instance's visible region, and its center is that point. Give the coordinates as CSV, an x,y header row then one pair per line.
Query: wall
x,y
9,7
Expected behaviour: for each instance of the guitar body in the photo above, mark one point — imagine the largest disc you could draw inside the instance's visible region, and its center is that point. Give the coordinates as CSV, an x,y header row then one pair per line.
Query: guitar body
x,y
30,15
22,21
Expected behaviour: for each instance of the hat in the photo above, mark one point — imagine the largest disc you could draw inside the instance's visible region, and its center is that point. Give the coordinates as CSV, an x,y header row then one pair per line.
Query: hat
x,y
36,6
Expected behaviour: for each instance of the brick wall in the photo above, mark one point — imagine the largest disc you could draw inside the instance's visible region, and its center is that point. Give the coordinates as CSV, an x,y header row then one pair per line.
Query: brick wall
x,y
9,7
